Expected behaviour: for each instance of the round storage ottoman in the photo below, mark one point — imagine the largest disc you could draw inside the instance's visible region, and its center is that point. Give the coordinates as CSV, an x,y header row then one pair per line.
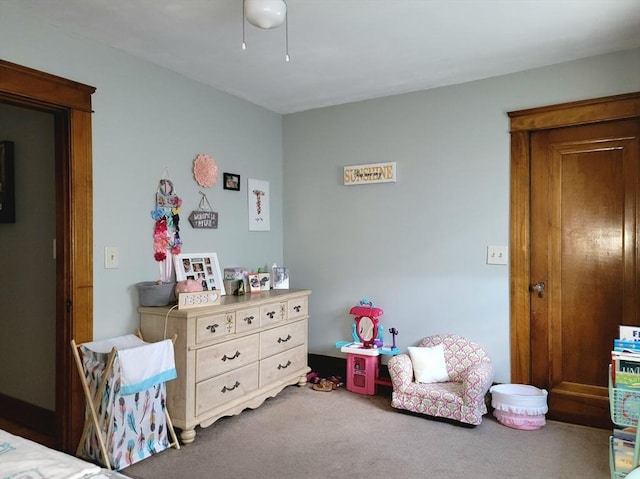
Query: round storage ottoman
x,y
519,406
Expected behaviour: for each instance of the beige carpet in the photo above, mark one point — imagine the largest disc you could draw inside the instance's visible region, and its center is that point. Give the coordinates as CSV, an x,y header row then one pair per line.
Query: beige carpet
x,y
303,433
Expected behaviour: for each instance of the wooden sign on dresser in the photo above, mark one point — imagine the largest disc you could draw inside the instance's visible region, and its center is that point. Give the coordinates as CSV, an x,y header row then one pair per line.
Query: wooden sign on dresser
x,y
231,356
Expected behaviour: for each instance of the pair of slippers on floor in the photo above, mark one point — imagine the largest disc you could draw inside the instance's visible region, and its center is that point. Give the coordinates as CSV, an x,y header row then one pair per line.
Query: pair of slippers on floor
x,y
328,384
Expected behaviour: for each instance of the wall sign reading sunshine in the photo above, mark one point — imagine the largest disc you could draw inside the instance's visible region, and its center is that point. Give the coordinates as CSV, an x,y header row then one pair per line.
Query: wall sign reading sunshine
x,y
373,173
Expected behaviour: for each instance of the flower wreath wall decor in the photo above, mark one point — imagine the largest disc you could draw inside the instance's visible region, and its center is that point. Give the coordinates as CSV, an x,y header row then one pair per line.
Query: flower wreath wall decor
x,y
166,231
205,170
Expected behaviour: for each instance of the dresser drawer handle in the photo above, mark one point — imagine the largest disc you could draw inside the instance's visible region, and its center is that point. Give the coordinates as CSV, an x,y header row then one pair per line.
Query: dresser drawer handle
x,y
225,388
271,314
212,327
249,319
225,357
280,340
297,308
280,366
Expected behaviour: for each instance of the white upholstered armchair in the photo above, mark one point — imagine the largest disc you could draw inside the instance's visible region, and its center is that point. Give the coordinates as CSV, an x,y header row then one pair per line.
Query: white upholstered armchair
x,y
459,392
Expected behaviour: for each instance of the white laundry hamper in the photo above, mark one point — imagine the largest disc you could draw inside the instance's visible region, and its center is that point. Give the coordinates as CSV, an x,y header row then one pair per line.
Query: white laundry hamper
x,y
519,406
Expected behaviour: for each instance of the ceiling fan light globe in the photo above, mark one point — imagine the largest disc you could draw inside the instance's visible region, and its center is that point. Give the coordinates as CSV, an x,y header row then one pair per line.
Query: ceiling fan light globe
x,y
265,13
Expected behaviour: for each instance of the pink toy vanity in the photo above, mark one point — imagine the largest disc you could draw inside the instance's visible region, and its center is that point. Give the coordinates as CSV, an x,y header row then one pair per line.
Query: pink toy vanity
x,y
363,354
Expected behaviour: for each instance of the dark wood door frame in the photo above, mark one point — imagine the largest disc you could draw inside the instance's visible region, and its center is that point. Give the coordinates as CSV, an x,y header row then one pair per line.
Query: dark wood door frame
x,y
523,123
70,103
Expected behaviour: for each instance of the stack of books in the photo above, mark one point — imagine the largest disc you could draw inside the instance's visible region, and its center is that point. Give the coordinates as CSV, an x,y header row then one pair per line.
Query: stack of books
x,y
625,358
625,378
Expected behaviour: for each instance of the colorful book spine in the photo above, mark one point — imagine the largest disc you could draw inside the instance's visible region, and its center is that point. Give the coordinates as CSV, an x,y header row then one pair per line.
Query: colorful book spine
x,y
625,433
630,333
623,455
623,345
628,381
625,369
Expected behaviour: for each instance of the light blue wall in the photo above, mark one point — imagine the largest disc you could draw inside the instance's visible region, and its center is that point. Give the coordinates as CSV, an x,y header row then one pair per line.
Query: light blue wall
x,y
148,118
417,247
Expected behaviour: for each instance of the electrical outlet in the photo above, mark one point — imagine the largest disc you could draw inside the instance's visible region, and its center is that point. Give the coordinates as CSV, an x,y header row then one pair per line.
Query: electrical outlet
x,y
496,254
111,257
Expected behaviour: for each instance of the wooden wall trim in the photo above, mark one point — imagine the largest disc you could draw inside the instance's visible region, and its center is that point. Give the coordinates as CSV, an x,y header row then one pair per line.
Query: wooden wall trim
x,y
39,86
35,417
519,261
577,113
523,123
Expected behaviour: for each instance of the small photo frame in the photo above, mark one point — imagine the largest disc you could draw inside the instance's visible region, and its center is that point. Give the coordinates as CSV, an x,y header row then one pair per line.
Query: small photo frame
x,y
265,281
7,185
203,267
281,279
231,181
254,282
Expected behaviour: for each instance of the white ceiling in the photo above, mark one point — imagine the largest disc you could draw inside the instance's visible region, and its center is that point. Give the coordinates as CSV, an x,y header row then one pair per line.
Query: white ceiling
x,y
349,50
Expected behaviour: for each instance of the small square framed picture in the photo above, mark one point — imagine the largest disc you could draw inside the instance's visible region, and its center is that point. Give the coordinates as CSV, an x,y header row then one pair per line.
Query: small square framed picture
x,y
231,181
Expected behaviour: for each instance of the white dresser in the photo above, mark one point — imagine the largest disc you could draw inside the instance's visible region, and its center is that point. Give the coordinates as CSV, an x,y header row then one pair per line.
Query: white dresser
x,y
231,356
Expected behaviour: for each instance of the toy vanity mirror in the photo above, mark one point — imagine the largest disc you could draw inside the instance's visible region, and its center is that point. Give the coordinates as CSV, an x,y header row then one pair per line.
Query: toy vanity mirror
x,y
367,330
366,322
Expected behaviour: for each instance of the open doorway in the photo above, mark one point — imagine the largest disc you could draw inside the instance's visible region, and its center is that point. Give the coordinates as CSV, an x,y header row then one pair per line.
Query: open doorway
x,y
70,104
27,381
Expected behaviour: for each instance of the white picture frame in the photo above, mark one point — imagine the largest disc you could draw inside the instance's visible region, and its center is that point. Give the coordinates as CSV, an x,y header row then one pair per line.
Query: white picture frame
x,y
281,278
203,267
258,199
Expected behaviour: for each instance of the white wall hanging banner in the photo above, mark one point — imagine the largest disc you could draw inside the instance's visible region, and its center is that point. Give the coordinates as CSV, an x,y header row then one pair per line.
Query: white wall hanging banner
x,y
258,198
372,173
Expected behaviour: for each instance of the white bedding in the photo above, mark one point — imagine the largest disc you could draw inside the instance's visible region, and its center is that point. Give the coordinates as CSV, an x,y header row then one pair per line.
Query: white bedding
x,y
24,459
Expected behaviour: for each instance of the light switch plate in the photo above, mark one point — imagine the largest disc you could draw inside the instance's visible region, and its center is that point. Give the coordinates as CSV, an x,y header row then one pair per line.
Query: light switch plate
x,y
111,257
497,254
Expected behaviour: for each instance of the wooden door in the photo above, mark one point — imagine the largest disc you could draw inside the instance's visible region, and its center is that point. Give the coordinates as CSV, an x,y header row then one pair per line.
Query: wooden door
x,y
584,207
575,202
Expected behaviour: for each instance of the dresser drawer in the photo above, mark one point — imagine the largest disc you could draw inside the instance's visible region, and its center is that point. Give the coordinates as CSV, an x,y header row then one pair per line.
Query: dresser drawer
x,y
215,326
276,367
235,384
247,319
272,313
226,356
285,337
297,308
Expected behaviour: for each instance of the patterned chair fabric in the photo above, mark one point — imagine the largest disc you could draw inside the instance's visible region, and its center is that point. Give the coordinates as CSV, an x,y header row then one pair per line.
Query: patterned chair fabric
x,y
462,399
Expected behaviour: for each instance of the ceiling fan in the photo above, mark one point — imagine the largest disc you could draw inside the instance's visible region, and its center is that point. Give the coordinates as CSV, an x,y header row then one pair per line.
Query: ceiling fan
x,y
266,14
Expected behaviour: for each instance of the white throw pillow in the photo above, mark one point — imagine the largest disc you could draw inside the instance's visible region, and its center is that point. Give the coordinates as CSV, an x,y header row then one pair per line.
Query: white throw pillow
x,y
428,364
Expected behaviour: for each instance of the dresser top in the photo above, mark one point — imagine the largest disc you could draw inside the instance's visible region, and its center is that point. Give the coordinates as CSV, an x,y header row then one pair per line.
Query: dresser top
x,y
230,301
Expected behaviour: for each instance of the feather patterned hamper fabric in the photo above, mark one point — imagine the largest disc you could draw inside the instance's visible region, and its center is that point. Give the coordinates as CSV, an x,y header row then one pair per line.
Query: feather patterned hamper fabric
x,y
132,408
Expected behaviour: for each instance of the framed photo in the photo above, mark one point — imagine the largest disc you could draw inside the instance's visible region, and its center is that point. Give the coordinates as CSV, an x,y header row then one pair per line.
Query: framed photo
x,y
265,281
7,184
281,279
231,181
203,267
258,200
254,282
